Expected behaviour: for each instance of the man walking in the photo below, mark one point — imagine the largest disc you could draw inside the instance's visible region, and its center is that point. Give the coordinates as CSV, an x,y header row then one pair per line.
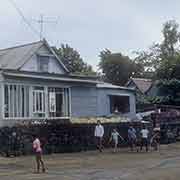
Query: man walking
x,y
99,133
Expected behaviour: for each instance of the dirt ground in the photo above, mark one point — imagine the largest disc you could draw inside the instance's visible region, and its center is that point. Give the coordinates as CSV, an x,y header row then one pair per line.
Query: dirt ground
x,y
124,165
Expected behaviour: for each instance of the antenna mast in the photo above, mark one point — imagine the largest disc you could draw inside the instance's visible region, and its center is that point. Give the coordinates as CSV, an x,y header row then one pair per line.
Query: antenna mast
x,y
41,21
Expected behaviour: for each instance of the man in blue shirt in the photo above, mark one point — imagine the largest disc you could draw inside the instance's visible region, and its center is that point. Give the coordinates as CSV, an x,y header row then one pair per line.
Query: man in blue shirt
x,y
132,137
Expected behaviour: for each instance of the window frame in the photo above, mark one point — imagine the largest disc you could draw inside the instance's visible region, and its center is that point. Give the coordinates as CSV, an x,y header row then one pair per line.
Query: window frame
x,y
120,96
38,107
65,109
40,62
30,105
18,94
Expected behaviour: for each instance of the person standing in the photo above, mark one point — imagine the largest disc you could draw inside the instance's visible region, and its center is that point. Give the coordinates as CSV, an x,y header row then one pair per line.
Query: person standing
x,y
115,138
99,133
38,153
144,138
132,138
155,140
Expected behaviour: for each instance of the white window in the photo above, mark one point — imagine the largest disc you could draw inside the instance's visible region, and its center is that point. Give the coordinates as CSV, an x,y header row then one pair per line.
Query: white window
x,y
58,100
38,102
43,63
16,101
23,101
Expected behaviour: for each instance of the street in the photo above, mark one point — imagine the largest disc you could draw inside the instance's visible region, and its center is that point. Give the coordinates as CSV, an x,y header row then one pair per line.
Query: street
x,y
92,165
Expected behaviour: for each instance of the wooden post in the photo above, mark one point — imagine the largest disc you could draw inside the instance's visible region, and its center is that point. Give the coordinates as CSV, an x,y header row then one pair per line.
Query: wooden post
x,y
13,108
46,102
69,94
17,101
31,99
20,101
3,100
9,101
25,101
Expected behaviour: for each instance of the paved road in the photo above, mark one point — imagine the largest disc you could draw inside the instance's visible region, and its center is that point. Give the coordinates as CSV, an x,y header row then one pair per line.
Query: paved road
x,y
124,165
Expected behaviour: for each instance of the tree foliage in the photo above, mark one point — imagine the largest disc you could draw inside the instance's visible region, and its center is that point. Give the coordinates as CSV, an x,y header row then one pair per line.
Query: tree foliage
x,y
73,61
170,90
117,68
163,58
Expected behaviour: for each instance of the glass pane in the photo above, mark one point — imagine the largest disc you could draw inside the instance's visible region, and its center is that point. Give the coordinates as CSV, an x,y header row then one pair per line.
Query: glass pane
x,y
58,100
38,101
43,62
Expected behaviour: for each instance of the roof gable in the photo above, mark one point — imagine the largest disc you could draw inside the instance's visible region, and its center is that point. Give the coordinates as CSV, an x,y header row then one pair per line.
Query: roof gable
x,y
16,57
143,85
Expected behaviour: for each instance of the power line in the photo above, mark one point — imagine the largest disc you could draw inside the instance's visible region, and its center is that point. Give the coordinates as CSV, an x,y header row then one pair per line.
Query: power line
x,y
23,17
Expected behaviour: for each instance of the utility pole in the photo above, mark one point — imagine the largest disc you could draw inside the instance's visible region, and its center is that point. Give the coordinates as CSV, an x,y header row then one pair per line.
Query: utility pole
x,y
41,21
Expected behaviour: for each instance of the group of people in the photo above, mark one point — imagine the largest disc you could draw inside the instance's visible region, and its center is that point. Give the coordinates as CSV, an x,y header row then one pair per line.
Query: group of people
x,y
135,141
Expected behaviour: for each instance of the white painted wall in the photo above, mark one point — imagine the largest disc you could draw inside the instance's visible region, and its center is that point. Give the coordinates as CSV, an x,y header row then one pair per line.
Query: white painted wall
x,y
31,65
54,65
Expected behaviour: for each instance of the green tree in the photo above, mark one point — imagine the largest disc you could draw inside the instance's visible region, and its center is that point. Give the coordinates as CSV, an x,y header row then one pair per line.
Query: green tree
x,y
170,90
163,58
73,61
117,68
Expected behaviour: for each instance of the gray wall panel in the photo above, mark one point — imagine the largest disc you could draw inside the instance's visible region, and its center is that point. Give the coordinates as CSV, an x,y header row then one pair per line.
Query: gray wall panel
x,y
84,101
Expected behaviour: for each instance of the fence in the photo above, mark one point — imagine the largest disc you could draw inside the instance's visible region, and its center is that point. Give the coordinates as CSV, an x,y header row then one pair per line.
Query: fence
x,y
57,138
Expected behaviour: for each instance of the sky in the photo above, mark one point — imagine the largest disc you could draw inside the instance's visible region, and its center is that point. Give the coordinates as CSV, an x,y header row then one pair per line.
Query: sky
x,y
88,26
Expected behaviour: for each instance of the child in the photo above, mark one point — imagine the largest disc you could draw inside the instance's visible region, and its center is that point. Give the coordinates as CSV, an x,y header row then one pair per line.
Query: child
x,y
38,152
114,138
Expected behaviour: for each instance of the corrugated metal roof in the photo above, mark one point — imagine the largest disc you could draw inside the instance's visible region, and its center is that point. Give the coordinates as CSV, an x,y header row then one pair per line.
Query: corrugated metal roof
x,y
111,86
48,76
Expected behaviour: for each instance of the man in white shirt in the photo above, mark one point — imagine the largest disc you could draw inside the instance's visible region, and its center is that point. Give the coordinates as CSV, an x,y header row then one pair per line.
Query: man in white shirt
x,y
99,133
144,138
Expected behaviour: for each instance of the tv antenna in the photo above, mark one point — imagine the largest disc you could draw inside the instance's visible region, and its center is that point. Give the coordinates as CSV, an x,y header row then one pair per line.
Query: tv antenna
x,y
41,21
